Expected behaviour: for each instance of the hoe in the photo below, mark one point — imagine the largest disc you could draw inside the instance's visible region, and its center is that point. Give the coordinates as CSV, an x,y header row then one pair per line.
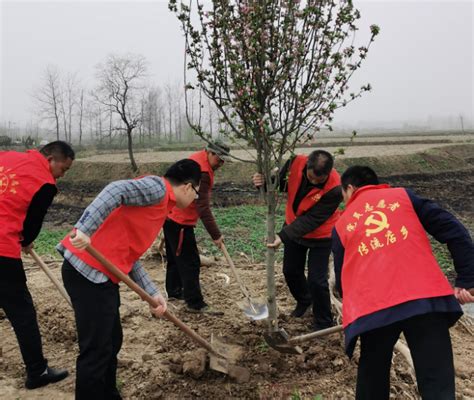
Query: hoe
x,y
280,340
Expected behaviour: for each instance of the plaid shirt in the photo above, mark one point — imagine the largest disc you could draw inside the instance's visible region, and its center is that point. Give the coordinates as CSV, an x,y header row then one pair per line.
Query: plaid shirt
x,y
133,192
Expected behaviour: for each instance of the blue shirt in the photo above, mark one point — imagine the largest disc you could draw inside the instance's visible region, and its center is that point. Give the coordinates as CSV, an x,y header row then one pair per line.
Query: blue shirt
x,y
132,192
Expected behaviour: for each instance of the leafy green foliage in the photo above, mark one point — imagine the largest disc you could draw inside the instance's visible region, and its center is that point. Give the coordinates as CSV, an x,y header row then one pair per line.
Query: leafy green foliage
x,y
47,240
443,256
243,228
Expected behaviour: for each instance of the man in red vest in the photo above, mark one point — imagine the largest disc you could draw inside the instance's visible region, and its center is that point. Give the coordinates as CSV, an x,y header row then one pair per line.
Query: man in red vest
x,y
183,263
314,194
27,189
391,283
122,223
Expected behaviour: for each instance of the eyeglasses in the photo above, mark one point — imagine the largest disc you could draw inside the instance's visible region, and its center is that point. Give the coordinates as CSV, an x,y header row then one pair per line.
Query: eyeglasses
x,y
220,161
195,191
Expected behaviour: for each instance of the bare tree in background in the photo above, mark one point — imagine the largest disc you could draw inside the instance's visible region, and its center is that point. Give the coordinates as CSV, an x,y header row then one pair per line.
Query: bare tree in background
x,y
48,96
152,112
81,114
69,101
169,94
120,87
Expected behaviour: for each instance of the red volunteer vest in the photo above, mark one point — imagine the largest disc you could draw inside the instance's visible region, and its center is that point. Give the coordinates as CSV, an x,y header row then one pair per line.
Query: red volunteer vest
x,y
294,181
126,234
388,258
21,176
189,215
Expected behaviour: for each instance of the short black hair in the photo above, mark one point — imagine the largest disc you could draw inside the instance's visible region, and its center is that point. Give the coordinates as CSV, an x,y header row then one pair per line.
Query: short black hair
x,y
58,149
358,176
184,171
320,162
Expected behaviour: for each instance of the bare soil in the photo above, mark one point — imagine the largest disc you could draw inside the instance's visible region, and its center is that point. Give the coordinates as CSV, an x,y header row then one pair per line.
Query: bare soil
x,y
151,360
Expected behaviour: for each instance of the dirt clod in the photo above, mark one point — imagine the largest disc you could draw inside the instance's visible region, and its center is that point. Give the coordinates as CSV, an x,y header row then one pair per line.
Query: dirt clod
x,y
194,363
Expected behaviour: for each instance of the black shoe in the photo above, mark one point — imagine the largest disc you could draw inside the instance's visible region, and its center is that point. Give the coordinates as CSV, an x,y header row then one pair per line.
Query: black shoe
x,y
300,310
50,375
204,310
176,297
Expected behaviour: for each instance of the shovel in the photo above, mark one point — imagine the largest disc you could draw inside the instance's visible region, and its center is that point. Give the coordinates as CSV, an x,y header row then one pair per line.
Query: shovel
x,y
220,360
251,308
280,341
50,275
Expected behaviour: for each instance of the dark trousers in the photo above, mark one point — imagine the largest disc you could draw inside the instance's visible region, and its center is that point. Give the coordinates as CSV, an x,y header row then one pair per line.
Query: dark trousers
x,y
183,264
315,288
99,333
16,301
428,338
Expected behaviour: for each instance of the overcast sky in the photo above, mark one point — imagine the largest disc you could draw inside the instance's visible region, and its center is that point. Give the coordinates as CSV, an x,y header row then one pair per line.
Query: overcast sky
x,y
421,64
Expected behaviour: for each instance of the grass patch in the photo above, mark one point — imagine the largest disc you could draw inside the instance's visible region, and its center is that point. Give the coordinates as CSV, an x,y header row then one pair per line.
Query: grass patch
x,y
443,256
47,240
243,227
244,230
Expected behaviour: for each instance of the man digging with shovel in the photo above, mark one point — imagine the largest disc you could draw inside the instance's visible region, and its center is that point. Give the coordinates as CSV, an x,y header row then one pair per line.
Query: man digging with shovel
x,y
122,223
182,254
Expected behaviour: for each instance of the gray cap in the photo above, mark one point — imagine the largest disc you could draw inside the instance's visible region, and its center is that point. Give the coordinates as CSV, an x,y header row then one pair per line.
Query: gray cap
x,y
219,148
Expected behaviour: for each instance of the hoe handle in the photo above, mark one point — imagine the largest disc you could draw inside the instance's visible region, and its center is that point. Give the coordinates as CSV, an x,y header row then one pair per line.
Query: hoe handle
x,y
149,299
50,275
322,332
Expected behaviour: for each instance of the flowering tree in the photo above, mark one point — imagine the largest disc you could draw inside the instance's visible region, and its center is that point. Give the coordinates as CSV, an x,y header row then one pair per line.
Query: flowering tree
x,y
276,71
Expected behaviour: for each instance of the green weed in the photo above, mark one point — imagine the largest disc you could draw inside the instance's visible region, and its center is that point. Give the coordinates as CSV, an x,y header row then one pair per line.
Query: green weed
x,y
244,230
295,395
443,256
47,240
262,347
120,384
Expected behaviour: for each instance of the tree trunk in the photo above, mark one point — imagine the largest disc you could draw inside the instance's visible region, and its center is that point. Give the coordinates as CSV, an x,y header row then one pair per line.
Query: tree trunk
x,y
80,117
270,261
56,117
130,150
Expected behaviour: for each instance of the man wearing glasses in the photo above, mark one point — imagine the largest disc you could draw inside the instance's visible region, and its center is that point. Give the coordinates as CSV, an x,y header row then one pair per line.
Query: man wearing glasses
x,y
183,263
314,194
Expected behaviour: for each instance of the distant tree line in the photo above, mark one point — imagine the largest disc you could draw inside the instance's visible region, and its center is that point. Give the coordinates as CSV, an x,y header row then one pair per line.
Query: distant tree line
x,y
120,105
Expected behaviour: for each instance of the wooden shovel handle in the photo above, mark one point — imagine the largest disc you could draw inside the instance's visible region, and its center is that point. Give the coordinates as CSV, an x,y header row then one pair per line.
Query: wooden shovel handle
x,y
50,275
149,299
234,271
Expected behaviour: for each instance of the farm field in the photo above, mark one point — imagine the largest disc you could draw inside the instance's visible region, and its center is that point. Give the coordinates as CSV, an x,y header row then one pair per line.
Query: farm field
x,y
151,359
360,147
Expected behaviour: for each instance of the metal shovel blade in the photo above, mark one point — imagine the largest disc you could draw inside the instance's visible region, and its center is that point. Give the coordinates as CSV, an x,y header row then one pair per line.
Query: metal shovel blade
x,y
228,363
279,340
254,310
